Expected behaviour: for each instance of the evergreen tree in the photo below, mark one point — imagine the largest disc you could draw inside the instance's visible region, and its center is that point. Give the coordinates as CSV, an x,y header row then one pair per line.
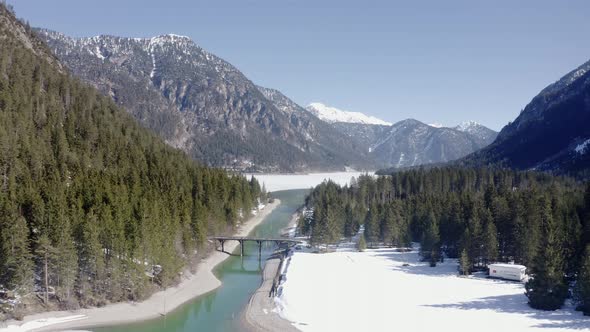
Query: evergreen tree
x,y
490,242
430,244
18,264
547,289
362,244
372,225
465,263
582,289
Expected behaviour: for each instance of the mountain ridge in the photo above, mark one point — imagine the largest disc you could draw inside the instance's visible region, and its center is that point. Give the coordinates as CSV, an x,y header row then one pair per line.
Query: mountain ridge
x,y
201,104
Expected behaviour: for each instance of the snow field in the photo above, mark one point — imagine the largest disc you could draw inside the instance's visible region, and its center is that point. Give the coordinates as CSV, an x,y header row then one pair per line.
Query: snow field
x,y
373,291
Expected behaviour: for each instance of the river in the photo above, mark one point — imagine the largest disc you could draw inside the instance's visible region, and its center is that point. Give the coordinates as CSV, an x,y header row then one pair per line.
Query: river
x,y
219,310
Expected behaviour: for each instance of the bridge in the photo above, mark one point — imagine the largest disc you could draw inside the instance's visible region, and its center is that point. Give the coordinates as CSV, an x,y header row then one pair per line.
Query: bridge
x,y
259,240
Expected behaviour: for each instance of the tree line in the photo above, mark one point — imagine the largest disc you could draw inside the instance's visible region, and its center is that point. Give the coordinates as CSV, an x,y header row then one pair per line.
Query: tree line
x,y
93,207
478,216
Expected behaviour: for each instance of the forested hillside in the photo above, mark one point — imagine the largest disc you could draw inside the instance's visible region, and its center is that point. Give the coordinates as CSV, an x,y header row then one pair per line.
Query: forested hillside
x,y
477,215
93,207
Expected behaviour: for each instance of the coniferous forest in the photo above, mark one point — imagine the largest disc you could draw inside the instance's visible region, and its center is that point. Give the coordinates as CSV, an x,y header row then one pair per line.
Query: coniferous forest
x,y
479,216
93,207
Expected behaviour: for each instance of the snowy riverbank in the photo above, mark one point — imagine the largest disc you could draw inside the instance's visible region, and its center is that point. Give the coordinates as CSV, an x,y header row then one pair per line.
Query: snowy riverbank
x,y
374,291
201,282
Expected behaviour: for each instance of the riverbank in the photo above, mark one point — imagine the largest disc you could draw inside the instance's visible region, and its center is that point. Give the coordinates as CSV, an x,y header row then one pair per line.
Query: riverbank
x,y
260,315
160,303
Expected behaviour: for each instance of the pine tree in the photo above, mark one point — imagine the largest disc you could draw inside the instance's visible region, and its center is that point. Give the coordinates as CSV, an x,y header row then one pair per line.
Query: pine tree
x,y
547,289
45,255
18,264
430,244
361,245
490,242
582,289
465,263
372,225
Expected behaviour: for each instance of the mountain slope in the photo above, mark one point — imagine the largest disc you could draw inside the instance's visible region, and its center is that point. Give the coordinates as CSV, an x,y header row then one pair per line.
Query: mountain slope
x,y
332,144
405,143
197,102
334,115
411,143
90,201
484,135
549,134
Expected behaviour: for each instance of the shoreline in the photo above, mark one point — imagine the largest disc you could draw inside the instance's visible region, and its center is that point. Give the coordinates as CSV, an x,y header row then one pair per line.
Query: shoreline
x,y
261,313
157,305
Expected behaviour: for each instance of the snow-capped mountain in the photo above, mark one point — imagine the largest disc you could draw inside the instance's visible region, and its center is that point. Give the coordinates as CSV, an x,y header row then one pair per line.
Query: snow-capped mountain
x,y
550,133
204,105
478,131
333,115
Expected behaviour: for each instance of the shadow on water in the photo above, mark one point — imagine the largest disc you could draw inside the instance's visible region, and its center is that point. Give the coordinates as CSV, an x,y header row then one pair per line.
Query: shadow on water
x,y
219,310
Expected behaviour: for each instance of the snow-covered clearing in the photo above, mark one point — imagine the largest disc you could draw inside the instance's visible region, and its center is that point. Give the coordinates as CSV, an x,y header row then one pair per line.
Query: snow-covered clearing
x,y
374,291
276,182
39,323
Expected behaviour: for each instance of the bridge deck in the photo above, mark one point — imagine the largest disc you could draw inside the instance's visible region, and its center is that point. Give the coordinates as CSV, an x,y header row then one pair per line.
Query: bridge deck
x,y
261,239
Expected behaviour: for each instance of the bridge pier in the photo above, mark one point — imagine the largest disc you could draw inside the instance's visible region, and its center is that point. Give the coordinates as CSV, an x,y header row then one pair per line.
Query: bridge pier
x,y
222,243
241,248
259,249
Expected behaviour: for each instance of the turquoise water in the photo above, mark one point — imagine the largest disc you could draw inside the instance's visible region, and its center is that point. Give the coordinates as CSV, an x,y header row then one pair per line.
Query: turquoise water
x,y
220,309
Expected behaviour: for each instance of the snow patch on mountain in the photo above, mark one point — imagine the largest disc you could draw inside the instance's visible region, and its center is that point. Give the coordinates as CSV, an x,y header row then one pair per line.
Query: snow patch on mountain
x,y
436,125
583,147
467,126
332,115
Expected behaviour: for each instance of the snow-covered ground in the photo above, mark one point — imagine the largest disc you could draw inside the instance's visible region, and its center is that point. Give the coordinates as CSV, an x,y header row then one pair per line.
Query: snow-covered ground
x,y
39,323
374,291
276,182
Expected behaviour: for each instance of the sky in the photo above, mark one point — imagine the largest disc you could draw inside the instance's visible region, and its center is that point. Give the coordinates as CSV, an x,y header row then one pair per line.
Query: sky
x,y
435,61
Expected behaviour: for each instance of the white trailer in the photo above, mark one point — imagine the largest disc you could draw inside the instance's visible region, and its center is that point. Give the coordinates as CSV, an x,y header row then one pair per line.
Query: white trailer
x,y
507,271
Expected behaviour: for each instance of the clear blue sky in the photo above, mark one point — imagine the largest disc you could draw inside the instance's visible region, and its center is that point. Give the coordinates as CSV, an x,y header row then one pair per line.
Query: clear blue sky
x,y
435,61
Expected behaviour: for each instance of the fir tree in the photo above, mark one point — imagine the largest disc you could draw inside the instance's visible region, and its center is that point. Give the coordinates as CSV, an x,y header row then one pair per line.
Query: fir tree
x,y
582,289
465,263
547,289
361,245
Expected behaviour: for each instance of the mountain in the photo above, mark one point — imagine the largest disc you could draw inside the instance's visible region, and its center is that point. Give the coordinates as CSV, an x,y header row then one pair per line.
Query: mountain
x,y
333,115
483,134
550,134
202,104
94,208
411,143
406,143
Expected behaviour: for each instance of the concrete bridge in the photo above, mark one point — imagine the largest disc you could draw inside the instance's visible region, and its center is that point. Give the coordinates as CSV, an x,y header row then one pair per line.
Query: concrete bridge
x,y
259,240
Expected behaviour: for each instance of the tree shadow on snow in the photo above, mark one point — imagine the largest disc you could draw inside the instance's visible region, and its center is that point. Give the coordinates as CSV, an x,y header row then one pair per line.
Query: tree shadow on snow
x,y
517,304
409,262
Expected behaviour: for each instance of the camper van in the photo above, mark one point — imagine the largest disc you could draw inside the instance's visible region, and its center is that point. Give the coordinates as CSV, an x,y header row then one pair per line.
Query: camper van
x,y
507,271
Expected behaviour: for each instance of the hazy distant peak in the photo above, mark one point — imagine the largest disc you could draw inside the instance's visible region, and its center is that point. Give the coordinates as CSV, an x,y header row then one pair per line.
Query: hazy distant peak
x,y
333,115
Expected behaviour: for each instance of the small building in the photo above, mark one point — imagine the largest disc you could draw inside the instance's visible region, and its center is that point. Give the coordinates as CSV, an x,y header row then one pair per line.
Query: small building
x,y
507,271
